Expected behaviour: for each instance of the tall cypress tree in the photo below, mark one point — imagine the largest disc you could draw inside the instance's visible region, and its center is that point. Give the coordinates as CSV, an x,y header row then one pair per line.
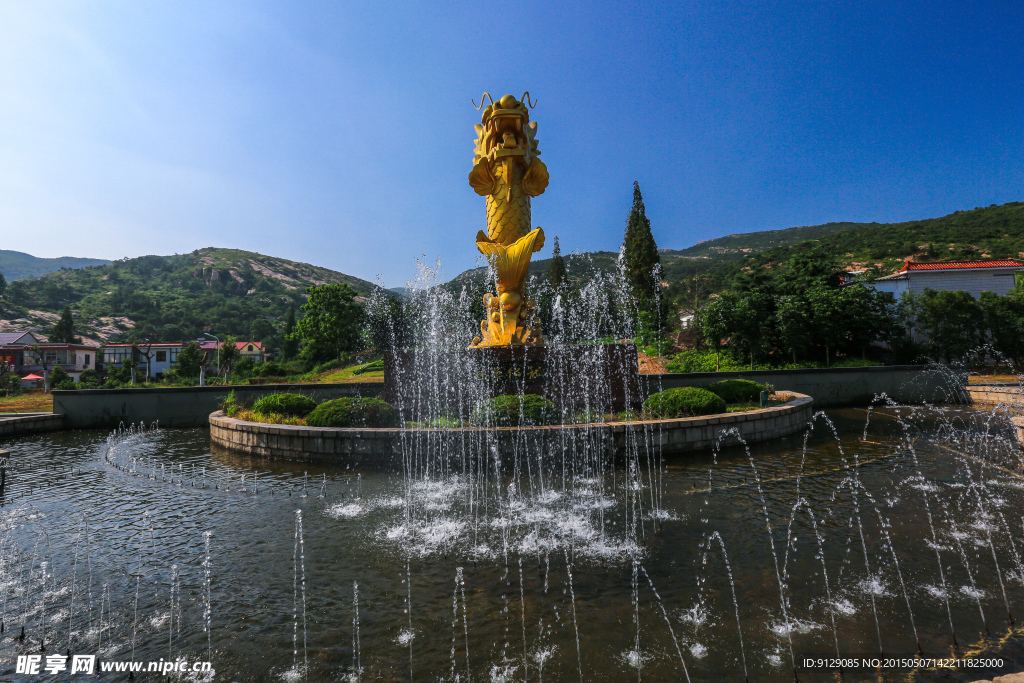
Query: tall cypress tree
x,y
556,271
290,345
640,255
63,331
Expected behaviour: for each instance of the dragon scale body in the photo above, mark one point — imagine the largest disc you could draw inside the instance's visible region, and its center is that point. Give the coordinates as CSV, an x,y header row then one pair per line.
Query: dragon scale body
x,y
508,213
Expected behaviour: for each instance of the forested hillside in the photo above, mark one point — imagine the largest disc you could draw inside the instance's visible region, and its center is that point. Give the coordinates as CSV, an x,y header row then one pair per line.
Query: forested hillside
x,y
227,291
979,233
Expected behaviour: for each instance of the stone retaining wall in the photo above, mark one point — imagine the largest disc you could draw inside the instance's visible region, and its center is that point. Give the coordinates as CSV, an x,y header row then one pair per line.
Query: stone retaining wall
x,y
837,387
383,448
30,423
179,406
994,394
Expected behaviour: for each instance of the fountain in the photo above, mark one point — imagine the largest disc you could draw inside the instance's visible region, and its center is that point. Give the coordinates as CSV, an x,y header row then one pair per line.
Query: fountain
x,y
510,355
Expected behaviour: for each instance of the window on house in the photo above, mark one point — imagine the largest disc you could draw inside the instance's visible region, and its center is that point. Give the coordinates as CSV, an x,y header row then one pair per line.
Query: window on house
x,y
161,356
87,360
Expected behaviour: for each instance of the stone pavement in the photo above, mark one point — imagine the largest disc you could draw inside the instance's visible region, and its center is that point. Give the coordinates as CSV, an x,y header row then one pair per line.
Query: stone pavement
x,y
1008,678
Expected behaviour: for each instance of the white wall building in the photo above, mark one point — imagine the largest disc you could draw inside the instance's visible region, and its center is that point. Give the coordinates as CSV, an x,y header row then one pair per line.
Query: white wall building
x,y
997,275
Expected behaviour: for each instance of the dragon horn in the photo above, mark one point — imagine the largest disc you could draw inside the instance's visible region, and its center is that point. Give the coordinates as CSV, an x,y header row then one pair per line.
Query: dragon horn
x,y
488,96
526,96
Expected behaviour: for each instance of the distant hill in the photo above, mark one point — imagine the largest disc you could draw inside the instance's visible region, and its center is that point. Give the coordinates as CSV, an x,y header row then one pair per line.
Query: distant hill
x,y
736,247
171,298
17,265
995,231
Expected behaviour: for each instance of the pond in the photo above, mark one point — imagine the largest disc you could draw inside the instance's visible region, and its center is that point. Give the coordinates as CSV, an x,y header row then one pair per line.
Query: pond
x,y
885,531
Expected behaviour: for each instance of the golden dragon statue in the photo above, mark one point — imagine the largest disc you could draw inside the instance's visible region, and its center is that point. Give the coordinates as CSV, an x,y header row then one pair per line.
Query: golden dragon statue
x,y
508,173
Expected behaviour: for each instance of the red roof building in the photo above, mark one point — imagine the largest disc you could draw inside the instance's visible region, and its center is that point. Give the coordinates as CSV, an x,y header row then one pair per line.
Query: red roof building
x,y
977,276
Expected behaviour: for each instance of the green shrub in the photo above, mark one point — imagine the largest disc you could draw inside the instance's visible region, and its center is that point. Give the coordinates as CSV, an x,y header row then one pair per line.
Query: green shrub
x,y
244,368
683,402
268,369
66,384
375,366
230,404
10,384
737,390
112,384
295,405
513,410
89,380
703,361
354,412
59,375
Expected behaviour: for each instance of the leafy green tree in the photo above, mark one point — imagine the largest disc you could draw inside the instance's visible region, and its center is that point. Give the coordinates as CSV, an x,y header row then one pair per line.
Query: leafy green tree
x,y
715,321
952,322
10,384
1003,318
793,324
331,324
556,269
640,259
3,285
229,355
290,342
389,323
262,330
828,318
190,360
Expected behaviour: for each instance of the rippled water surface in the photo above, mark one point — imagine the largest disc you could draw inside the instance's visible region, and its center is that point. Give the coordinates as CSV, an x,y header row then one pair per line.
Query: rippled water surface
x,y
722,564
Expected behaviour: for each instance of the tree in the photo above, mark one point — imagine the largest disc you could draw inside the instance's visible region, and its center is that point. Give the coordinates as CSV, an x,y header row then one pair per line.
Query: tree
x,y
332,323
3,284
640,259
290,344
952,321
63,331
189,361
262,330
40,359
556,270
1004,323
715,322
388,322
228,356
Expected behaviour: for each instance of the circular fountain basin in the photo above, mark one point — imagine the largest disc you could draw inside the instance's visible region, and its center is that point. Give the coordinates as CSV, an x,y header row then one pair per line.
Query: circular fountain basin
x,y
381,448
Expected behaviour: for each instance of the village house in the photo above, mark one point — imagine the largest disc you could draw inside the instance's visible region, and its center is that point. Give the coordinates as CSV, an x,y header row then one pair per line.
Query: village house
x,y
28,355
159,357
996,275
246,349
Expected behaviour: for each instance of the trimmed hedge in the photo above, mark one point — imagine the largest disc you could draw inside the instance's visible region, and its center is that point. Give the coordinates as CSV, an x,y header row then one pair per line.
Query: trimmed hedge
x,y
684,402
514,410
737,390
295,405
354,412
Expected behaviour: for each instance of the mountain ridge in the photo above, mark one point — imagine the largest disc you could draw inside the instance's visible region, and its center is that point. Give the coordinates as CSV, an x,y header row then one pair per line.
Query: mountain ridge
x,y
18,265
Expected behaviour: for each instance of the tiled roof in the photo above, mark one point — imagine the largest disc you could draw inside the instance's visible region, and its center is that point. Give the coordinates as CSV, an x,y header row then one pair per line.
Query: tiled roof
x,y
11,337
240,345
962,265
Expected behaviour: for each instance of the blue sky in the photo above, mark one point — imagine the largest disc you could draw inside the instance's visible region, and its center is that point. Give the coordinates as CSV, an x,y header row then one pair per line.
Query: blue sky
x,y
341,134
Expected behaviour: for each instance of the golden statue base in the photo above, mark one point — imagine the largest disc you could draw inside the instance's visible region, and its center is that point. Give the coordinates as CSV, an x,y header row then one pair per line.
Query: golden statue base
x,y
511,317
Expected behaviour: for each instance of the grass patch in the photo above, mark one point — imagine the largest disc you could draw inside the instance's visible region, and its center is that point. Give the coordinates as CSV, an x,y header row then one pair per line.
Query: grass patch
x,y
247,415
27,403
